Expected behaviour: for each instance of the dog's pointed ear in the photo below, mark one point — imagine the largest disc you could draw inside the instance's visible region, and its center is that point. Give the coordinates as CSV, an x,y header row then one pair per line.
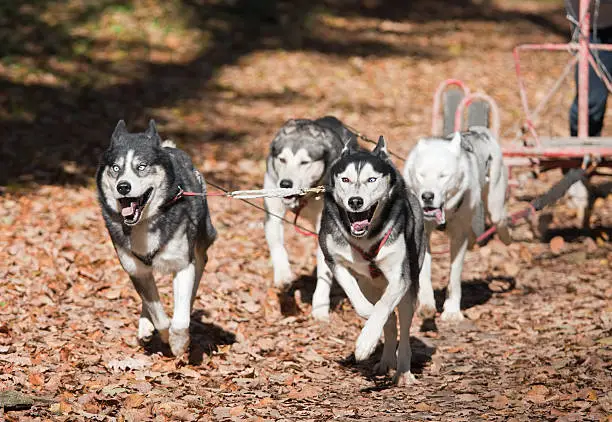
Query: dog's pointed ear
x,y
455,143
120,129
381,146
350,145
152,134
152,129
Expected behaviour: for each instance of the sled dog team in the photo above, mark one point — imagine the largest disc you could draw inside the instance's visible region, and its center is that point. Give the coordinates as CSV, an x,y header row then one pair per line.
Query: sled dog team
x,y
374,224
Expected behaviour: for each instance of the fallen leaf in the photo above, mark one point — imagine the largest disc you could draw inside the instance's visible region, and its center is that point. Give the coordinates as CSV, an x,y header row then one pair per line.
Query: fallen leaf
x,y
129,364
537,394
557,244
36,379
134,400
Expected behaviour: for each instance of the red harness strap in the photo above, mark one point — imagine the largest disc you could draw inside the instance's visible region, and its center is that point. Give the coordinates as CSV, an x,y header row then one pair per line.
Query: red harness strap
x,y
182,193
372,253
301,205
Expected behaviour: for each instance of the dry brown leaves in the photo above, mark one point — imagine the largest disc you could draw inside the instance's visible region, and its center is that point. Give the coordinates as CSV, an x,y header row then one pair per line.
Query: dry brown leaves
x,y
536,346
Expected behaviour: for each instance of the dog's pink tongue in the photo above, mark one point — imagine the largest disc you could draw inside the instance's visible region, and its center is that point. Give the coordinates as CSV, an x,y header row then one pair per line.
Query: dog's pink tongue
x,y
360,225
129,211
439,216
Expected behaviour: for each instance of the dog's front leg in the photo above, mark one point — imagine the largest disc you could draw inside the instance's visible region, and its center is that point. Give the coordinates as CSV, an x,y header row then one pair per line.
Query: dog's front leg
x,y
273,227
427,302
388,359
458,248
396,289
183,288
362,305
320,297
403,376
152,315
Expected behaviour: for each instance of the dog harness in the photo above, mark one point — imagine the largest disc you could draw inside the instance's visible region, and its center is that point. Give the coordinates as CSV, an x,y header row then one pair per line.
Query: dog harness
x,y
370,254
180,195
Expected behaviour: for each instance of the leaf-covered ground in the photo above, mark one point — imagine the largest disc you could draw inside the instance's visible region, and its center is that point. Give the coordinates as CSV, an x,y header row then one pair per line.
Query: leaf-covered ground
x,y
220,78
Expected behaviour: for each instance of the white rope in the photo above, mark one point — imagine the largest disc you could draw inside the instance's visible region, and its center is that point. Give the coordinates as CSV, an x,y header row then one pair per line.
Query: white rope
x,y
275,193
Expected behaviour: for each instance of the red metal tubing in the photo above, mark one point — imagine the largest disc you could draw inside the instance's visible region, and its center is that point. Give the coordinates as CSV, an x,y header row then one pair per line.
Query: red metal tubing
x,y
551,153
469,99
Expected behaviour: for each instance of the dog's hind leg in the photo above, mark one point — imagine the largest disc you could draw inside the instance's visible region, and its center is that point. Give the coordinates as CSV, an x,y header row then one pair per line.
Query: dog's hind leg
x,y
273,227
388,359
496,198
200,263
403,375
427,303
458,248
184,284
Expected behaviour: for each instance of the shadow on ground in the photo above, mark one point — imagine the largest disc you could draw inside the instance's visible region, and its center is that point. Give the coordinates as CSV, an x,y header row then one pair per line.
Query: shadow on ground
x,y
304,286
56,119
473,292
205,339
421,356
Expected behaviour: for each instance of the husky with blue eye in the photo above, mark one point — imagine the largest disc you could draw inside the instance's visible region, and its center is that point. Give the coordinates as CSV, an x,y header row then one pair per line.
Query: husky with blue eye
x,y
152,226
300,156
372,239
460,181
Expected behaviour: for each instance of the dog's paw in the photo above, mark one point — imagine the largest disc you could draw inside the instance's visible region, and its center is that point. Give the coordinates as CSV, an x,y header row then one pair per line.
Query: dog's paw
x,y
385,364
179,340
452,316
282,275
366,342
320,313
426,311
404,379
145,330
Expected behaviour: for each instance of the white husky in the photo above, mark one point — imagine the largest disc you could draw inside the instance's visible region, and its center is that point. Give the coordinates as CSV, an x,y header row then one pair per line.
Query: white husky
x,y
458,181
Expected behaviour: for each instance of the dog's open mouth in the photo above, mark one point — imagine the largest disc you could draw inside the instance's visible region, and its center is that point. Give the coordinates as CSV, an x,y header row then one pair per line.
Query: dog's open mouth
x,y
435,214
131,207
291,201
360,221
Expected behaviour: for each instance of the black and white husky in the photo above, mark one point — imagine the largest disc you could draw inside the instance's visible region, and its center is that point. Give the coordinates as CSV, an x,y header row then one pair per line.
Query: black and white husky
x,y
153,227
300,156
459,181
372,239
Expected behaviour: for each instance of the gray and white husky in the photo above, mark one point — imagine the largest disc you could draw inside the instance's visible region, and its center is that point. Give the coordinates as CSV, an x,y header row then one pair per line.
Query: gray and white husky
x,y
153,227
459,182
300,156
372,239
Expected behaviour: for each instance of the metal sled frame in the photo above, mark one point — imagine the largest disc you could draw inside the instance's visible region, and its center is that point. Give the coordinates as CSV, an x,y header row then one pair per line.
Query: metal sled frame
x,y
529,149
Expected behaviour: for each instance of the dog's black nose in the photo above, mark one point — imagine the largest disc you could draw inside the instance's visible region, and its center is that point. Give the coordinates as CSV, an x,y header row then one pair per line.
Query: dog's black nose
x,y
286,183
427,196
124,188
355,202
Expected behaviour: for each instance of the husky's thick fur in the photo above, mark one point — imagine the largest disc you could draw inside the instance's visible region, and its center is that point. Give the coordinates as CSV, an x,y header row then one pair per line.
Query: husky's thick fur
x,y
154,229
300,156
459,182
372,239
